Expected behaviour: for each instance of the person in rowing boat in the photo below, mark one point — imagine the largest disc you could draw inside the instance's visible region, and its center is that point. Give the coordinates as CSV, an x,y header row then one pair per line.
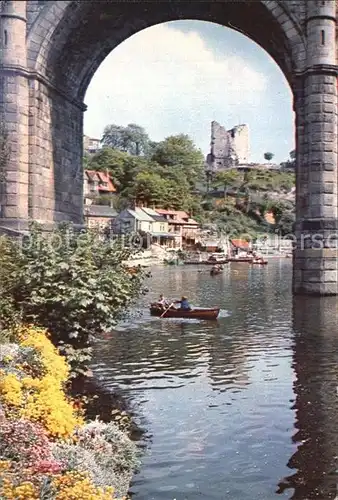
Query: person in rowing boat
x,y
163,302
184,303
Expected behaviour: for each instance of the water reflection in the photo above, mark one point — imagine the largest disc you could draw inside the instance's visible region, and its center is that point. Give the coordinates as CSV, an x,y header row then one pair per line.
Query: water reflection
x,y
316,368
217,396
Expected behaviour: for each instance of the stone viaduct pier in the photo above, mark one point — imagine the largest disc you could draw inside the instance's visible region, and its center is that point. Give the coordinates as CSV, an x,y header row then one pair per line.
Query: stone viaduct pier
x,y
51,49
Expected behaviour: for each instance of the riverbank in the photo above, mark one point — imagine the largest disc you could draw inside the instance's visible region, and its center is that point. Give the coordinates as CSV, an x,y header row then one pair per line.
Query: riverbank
x,y
48,446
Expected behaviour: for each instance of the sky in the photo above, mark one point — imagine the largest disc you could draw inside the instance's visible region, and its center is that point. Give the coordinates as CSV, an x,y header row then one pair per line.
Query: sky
x,y
178,77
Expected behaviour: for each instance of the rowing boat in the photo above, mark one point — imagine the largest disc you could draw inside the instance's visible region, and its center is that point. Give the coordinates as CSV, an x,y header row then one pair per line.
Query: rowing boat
x,y
241,259
213,272
196,313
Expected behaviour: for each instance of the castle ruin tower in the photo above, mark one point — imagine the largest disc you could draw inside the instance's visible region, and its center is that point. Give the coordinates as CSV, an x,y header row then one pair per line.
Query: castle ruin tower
x,y
315,266
13,115
240,143
228,148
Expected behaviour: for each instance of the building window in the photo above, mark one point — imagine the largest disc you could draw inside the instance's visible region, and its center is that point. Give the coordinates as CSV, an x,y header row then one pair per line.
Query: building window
x,y
162,227
5,38
323,37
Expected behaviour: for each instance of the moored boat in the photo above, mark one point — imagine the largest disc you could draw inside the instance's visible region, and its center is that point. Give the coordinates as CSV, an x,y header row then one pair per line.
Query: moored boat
x,y
205,262
260,262
196,313
241,259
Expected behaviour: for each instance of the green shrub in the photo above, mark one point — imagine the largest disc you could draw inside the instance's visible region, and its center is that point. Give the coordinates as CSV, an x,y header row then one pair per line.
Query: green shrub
x,y
75,285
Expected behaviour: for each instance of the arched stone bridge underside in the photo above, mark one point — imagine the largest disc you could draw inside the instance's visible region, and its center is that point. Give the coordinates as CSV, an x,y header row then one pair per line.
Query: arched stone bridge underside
x,y
50,50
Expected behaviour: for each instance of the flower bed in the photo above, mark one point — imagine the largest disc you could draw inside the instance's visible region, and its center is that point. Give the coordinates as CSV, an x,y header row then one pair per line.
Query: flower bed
x,y
47,450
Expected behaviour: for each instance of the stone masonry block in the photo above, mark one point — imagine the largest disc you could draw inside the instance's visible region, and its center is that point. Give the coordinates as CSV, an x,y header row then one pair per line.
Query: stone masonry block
x,y
330,264
329,276
323,187
318,276
329,166
318,264
330,188
329,107
329,99
322,199
314,117
317,289
11,212
318,211
11,187
325,157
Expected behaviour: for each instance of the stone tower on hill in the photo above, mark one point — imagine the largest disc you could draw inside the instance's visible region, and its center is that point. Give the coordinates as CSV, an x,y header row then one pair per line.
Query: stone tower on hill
x,y
229,148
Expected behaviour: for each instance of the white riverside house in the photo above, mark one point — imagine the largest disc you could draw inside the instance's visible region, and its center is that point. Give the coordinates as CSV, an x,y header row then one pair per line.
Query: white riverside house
x,y
144,220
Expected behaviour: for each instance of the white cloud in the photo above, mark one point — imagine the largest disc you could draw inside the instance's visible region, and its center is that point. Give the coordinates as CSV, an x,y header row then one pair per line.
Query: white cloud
x,y
170,82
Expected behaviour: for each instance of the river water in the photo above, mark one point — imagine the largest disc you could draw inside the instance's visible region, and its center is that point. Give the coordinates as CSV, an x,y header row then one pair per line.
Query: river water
x,y
244,408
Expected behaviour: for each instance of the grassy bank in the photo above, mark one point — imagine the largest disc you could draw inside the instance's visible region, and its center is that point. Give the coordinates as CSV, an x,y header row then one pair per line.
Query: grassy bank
x,y
47,447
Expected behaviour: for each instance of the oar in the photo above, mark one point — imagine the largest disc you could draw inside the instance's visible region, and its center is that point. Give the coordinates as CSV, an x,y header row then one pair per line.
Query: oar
x,y
167,309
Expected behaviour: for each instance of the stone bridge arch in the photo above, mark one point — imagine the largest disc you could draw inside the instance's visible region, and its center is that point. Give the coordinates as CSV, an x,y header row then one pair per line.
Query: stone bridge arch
x,y
51,49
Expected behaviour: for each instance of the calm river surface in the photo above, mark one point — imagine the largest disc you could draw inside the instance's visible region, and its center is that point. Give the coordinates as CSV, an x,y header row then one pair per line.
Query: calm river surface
x,y
244,408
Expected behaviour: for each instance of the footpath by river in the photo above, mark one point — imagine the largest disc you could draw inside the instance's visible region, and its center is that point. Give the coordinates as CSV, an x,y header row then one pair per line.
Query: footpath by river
x,y
244,408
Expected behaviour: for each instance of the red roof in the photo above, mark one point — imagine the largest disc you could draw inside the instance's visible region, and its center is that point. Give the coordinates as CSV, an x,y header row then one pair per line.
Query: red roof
x,y
101,177
181,216
240,243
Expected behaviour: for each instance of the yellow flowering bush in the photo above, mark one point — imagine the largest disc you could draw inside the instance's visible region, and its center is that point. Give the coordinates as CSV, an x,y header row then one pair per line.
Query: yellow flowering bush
x,y
68,486
10,389
24,491
41,399
38,338
43,434
74,485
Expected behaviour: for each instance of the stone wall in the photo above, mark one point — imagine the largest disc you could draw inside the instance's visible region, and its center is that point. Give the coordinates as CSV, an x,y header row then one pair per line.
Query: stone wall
x,y
229,148
14,114
316,230
56,147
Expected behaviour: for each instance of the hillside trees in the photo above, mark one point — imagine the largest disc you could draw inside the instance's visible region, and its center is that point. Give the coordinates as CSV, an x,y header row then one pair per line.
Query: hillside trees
x,y
227,179
131,139
166,176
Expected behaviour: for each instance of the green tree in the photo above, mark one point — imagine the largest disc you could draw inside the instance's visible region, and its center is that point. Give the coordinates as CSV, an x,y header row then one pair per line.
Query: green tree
x,y
111,160
286,223
179,151
150,188
86,161
131,139
228,179
179,195
268,156
122,167
113,137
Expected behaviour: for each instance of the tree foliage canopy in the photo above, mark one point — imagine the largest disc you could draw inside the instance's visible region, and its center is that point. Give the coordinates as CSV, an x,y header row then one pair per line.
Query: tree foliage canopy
x,y
268,156
179,151
166,176
131,139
